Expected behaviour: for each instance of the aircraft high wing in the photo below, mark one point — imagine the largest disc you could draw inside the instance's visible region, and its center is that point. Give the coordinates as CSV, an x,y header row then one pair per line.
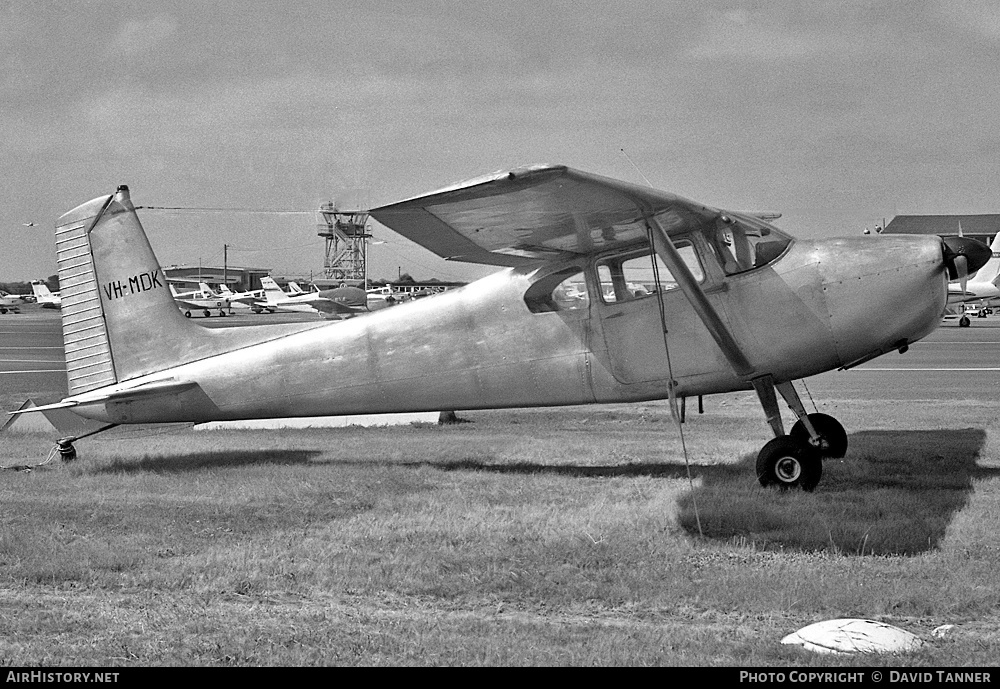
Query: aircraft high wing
x,y
727,302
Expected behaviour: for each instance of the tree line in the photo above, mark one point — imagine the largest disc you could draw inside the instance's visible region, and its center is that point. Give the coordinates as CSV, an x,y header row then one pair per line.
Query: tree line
x,y
52,282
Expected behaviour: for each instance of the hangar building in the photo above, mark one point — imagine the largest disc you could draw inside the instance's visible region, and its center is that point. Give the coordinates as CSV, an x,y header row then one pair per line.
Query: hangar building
x,y
238,279
981,227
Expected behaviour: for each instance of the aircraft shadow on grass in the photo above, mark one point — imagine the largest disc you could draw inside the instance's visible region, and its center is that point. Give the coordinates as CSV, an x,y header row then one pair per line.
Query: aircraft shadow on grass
x,y
894,493
198,461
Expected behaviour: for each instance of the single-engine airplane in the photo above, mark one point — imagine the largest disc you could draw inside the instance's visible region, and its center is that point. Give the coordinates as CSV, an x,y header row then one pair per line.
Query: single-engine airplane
x,y
44,297
982,288
739,304
10,302
202,299
340,302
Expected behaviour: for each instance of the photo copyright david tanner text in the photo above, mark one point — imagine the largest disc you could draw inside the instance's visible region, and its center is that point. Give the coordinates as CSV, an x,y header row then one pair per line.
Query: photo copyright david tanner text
x,y
890,676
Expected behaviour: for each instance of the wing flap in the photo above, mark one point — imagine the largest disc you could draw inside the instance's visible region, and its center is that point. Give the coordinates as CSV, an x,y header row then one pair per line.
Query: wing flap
x,y
535,213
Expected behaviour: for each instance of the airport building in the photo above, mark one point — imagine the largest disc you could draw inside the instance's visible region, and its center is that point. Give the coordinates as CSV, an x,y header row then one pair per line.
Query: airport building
x,y
236,278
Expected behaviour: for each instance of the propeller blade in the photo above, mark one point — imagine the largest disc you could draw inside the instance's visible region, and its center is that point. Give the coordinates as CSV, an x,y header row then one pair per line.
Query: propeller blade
x,y
973,255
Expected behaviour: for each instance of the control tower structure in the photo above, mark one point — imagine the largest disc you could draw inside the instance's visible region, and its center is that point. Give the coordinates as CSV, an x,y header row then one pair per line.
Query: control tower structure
x,y
346,234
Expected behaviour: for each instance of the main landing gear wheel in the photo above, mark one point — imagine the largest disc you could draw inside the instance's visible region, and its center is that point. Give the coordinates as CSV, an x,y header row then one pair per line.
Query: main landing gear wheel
x,y
832,436
964,322
788,463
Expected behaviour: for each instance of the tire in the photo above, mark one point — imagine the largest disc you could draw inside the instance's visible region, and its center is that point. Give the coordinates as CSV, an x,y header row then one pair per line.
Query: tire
x,y
786,463
187,314
832,434
964,322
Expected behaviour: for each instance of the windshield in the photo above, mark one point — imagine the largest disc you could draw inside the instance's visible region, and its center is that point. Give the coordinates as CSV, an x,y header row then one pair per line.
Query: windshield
x,y
743,243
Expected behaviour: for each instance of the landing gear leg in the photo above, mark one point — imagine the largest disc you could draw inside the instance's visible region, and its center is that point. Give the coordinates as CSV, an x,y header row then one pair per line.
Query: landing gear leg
x,y
821,431
787,461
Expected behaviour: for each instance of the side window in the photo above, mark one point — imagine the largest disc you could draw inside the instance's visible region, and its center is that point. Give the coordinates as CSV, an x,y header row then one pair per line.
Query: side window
x,y
561,291
632,276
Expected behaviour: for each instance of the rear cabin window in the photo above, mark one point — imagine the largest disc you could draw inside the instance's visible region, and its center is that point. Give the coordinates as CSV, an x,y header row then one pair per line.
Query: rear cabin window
x,y
632,276
565,290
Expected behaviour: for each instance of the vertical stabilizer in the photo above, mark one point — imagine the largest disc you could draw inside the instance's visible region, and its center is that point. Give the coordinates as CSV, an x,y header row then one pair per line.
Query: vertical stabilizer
x,y
40,290
272,293
119,318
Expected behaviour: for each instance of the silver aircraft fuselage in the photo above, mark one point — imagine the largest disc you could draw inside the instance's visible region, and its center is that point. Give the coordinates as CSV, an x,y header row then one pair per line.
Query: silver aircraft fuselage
x,y
822,305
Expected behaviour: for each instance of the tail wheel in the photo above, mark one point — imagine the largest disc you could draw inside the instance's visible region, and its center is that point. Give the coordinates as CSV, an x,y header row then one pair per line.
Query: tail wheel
x,y
787,463
67,452
833,437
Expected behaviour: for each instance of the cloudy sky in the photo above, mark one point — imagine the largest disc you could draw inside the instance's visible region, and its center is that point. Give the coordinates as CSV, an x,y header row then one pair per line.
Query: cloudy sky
x,y
836,114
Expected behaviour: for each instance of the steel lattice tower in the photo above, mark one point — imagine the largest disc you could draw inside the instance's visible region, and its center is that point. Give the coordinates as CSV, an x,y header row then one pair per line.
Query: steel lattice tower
x,y
346,234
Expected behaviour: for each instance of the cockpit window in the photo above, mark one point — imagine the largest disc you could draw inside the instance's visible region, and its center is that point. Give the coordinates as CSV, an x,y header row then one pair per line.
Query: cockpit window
x,y
744,243
632,276
564,290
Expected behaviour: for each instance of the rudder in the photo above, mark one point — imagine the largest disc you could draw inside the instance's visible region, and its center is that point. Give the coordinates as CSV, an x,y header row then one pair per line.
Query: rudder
x,y
119,318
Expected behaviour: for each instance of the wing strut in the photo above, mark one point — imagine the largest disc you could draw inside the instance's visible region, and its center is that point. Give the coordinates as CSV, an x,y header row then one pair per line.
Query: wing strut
x,y
763,384
665,249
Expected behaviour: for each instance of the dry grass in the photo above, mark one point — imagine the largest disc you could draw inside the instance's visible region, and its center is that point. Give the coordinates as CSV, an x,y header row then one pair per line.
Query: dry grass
x,y
529,537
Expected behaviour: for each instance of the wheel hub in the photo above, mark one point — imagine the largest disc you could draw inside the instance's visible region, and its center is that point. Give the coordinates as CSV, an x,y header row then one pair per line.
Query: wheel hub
x,y
788,469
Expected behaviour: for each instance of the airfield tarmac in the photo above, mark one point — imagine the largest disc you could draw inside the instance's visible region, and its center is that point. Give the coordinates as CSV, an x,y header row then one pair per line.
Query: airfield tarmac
x,y
31,347
952,363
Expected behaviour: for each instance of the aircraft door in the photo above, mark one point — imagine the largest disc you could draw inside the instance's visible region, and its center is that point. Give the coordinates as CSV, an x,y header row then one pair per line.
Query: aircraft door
x,y
630,317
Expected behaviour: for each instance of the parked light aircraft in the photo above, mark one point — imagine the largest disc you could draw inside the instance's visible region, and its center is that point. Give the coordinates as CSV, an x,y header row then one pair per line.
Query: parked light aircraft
x,y
339,301
380,297
981,288
754,314
202,299
10,302
243,300
44,297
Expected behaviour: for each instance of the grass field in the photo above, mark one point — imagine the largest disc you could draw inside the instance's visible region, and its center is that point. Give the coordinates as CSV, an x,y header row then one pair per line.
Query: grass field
x,y
527,537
